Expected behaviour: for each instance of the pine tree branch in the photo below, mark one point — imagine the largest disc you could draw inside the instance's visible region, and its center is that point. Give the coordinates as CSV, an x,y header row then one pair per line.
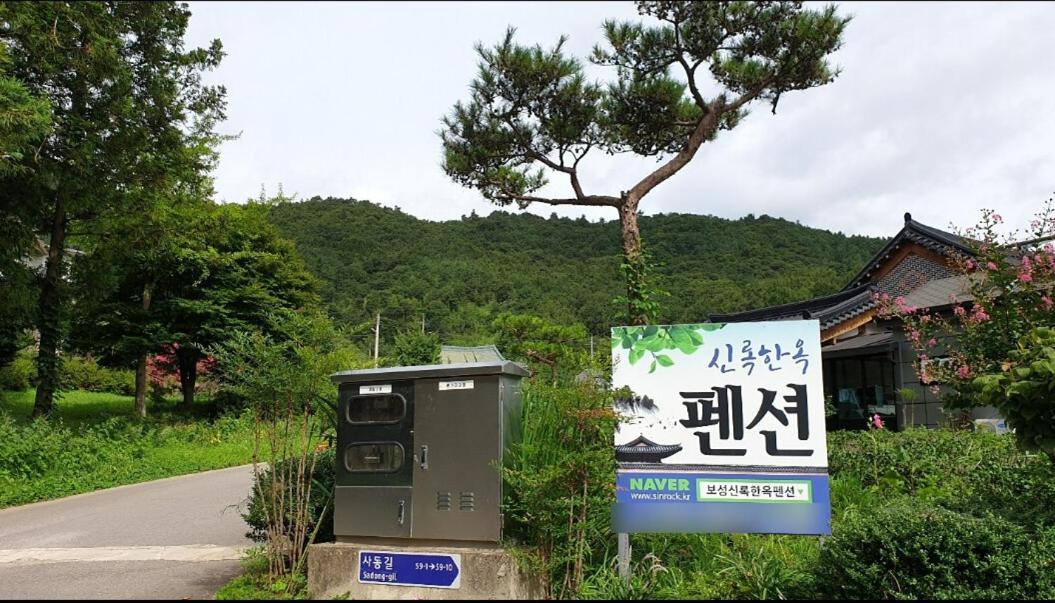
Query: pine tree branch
x,y
706,127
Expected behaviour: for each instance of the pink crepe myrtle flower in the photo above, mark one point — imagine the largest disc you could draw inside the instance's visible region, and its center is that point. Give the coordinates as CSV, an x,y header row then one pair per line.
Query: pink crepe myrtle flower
x,y
959,311
979,315
932,342
997,218
1046,300
990,265
970,264
877,421
963,371
1025,277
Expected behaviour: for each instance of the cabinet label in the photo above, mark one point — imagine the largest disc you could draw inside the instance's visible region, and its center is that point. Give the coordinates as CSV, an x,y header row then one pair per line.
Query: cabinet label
x,y
375,389
462,384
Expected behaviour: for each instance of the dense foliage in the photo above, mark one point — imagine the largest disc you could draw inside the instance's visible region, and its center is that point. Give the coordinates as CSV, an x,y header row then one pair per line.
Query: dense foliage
x,y
131,120
283,378
462,273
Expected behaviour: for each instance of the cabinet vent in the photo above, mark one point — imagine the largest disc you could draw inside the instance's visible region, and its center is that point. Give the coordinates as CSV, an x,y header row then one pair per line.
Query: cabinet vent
x,y
467,501
443,501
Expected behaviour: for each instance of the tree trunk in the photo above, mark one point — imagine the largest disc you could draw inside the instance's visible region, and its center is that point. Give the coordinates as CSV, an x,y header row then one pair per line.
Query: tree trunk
x,y
141,385
188,375
633,263
48,319
141,363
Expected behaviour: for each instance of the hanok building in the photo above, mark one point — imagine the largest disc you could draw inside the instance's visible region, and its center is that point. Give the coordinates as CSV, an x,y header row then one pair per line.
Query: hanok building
x,y
869,365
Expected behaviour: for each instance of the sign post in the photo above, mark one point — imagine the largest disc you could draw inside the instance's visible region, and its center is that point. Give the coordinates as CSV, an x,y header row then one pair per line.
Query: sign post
x,y
724,431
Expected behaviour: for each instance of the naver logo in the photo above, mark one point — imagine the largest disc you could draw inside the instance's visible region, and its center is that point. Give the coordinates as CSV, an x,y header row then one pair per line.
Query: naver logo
x,y
659,484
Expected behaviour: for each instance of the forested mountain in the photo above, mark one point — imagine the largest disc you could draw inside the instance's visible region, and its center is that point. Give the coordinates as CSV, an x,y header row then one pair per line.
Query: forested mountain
x,y
459,274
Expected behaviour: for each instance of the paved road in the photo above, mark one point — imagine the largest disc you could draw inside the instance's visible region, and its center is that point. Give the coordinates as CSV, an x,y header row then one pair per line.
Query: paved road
x,y
175,538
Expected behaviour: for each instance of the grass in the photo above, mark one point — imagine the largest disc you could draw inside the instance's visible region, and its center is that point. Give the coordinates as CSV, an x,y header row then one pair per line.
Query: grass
x,y
81,407
94,441
254,584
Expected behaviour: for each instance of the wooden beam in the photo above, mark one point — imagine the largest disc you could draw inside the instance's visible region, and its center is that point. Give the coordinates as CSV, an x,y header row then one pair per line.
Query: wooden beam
x,y
846,326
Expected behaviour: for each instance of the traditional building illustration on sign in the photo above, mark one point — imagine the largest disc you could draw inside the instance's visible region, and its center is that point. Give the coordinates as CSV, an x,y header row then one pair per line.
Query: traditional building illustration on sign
x,y
644,450
869,365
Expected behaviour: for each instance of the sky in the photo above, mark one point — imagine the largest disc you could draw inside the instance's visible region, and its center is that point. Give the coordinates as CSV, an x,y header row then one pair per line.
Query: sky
x,y
940,109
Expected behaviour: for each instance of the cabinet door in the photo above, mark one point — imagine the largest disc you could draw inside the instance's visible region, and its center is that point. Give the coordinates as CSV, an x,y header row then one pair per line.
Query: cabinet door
x,y
372,511
457,438
375,434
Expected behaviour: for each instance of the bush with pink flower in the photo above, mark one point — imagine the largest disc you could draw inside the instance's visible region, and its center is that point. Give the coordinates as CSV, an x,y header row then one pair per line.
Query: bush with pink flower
x,y
1008,294
163,373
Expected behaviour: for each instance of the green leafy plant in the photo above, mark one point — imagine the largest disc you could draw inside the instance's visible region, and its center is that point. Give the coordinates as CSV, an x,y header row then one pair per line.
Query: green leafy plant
x,y
286,381
561,478
1024,392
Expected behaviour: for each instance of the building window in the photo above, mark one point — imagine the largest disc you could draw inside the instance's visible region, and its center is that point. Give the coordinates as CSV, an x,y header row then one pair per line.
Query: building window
x,y
860,387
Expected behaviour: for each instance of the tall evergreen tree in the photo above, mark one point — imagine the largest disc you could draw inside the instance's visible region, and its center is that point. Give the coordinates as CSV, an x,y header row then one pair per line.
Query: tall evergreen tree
x,y
130,114
532,112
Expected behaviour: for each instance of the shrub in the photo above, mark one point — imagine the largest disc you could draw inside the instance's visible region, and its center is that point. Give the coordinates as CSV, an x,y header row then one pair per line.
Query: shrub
x,y
20,374
918,552
86,374
959,470
322,482
561,480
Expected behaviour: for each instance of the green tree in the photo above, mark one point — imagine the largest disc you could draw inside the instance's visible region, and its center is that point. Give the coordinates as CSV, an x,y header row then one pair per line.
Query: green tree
x,y
539,342
134,264
999,336
25,119
232,273
129,110
413,347
532,111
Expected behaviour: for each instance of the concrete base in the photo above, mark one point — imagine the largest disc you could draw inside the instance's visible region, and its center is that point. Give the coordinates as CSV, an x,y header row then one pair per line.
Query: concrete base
x,y
488,571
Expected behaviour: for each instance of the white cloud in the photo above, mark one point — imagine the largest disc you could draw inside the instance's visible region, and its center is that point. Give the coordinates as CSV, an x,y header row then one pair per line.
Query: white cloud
x,y
941,109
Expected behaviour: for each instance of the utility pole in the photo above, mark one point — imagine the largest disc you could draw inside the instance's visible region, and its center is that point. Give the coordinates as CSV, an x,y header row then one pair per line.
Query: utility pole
x,y
377,337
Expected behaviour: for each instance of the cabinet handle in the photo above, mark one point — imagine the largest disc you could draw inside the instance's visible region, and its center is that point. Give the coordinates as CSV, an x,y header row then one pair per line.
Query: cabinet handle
x,y
402,510
424,457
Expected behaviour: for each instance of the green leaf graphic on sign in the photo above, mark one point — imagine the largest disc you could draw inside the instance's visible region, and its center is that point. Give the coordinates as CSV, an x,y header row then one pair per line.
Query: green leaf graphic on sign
x,y
654,339
636,355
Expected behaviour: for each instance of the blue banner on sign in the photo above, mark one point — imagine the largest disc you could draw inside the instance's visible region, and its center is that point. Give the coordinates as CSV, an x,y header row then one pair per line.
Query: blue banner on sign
x,y
410,569
750,503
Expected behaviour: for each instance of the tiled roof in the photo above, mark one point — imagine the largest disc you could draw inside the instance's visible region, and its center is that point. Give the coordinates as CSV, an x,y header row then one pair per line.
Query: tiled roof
x,y
945,243
830,310
941,292
858,297
453,354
